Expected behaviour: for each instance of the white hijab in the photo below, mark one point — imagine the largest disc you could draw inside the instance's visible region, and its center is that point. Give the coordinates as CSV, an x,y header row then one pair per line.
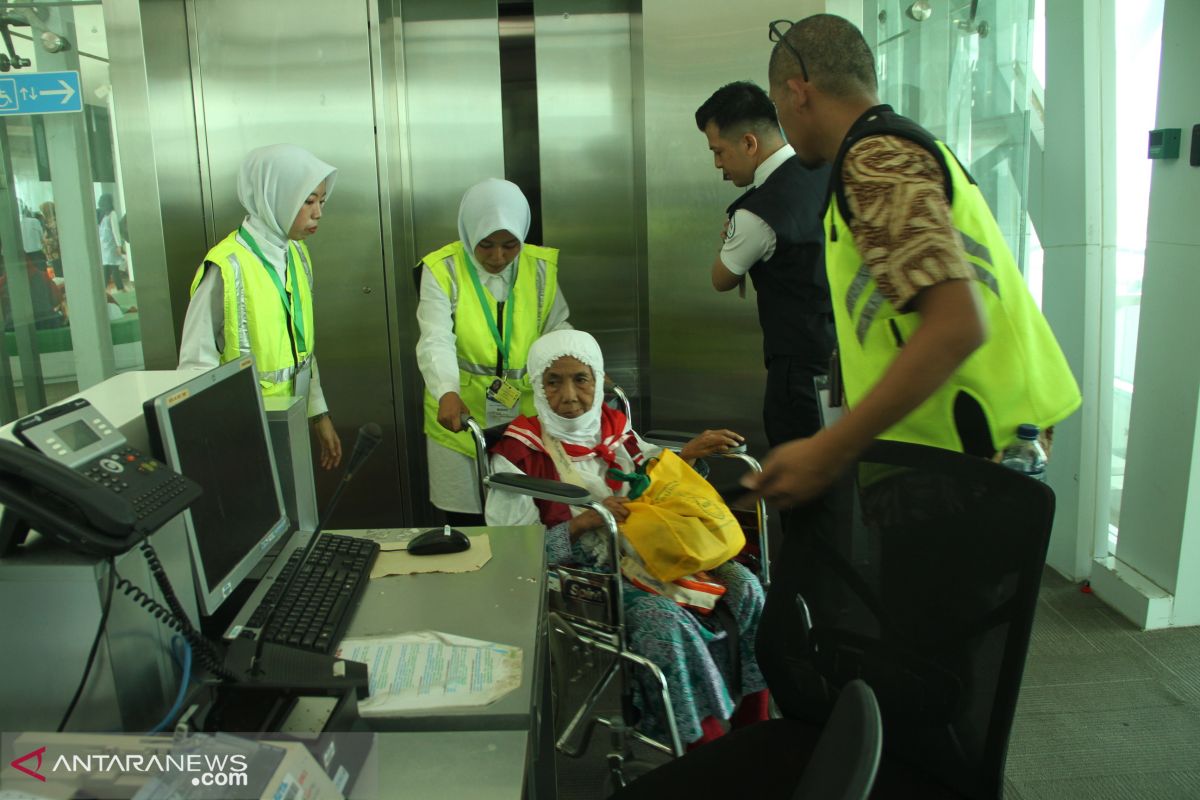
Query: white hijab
x,y
489,206
582,430
274,183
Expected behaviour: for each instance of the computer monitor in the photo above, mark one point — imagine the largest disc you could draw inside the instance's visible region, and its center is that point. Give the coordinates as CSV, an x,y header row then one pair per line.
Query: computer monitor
x,y
213,429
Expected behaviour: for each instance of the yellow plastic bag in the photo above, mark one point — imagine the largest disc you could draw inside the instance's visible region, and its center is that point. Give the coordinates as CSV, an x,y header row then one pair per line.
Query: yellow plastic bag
x,y
680,525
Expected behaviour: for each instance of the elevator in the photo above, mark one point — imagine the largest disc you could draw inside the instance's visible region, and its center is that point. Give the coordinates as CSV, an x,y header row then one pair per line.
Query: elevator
x,y
586,104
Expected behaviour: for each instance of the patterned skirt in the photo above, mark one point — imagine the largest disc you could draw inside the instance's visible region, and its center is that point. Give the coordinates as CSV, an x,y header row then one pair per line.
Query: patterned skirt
x,y
693,652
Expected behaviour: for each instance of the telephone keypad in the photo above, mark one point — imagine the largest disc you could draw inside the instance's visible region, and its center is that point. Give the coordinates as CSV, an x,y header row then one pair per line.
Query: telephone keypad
x,y
76,436
149,484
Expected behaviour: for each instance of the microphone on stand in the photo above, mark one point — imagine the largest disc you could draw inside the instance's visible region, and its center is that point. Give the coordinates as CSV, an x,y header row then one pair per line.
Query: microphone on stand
x,y
369,437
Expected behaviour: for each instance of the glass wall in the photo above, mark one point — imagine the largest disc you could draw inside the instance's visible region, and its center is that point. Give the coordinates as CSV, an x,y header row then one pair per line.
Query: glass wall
x,y
963,71
68,291
1138,43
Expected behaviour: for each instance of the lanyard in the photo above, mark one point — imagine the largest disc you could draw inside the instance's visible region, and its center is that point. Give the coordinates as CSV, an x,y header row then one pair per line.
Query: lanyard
x,y
293,314
501,342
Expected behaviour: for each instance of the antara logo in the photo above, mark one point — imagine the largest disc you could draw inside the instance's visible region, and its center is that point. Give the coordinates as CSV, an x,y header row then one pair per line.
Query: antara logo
x,y
18,763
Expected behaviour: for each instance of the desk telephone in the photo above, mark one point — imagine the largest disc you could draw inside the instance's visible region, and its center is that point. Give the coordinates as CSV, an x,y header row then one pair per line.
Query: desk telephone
x,y
78,481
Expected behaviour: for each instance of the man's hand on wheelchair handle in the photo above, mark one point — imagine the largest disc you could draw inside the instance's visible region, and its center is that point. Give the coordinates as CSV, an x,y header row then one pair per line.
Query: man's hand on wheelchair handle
x,y
450,411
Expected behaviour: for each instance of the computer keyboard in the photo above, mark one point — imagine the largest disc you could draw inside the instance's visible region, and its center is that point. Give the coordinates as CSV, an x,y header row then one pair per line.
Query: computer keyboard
x,y
316,610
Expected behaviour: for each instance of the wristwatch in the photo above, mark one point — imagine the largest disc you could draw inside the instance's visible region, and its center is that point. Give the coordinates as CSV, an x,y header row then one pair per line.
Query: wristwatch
x,y
318,417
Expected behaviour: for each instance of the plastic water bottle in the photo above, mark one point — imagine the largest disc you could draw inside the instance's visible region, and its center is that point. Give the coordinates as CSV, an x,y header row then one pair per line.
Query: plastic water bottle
x,y
1026,454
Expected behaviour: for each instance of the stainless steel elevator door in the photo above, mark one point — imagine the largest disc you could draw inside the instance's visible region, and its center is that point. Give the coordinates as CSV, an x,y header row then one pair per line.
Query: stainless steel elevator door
x,y
706,355
300,72
587,141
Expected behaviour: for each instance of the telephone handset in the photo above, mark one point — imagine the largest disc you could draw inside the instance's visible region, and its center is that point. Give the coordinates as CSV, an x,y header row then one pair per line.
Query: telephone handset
x,y
79,482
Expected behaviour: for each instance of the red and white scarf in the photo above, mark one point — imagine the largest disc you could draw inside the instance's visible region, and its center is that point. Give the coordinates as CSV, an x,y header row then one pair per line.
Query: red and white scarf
x,y
614,431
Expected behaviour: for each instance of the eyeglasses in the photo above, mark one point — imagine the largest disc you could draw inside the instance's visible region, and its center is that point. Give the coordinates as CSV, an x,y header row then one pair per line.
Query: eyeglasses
x,y
778,34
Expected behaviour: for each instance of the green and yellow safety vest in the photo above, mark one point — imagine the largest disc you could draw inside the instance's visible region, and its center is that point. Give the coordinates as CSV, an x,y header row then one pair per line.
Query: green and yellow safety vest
x,y
530,297
264,317
1018,375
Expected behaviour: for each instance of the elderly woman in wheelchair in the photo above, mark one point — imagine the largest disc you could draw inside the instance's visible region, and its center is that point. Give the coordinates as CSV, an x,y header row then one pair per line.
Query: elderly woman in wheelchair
x,y
576,438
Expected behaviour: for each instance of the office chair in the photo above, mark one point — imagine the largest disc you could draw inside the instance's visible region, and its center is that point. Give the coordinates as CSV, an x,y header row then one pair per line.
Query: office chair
x,y
780,758
918,573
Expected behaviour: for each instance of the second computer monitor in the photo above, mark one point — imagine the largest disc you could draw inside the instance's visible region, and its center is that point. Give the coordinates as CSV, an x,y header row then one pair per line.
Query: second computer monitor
x,y
213,430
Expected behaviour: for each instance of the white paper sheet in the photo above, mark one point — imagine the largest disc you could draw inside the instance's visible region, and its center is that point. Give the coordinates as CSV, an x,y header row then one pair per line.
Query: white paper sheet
x,y
388,538
428,670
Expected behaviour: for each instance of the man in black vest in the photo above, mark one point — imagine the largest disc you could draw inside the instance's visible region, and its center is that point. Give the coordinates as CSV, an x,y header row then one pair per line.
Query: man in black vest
x,y
773,232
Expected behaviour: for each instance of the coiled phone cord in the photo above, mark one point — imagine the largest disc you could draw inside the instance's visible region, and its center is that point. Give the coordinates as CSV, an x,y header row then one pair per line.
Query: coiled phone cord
x,y
173,617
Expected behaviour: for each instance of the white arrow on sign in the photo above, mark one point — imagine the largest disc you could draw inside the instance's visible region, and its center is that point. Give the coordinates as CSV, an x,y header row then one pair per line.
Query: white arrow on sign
x,y
67,91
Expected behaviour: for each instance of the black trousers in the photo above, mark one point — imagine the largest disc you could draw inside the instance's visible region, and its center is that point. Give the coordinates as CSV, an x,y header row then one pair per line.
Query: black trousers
x,y
790,409
112,272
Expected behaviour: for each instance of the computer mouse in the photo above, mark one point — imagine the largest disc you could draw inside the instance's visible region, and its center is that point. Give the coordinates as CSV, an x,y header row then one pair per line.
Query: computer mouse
x,y
436,541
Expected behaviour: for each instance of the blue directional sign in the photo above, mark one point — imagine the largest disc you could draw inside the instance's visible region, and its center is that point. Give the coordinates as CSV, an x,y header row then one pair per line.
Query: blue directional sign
x,y
40,93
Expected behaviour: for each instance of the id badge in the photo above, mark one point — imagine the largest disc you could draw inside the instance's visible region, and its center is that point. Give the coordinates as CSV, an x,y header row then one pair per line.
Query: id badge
x,y
503,393
302,382
498,414
502,399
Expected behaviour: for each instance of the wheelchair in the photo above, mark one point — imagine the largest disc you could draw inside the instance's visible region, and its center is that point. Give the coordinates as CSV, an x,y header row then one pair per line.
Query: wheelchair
x,y
586,607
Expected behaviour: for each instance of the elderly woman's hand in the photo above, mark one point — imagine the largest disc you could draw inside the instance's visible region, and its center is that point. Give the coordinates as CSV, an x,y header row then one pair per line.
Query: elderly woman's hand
x,y
710,442
589,520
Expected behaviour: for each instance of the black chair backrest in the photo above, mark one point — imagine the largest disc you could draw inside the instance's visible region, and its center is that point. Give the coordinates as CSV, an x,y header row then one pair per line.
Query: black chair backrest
x,y
843,764
919,574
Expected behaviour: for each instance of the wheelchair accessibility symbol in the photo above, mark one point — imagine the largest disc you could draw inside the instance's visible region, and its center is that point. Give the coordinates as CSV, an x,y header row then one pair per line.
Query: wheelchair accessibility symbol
x,y
8,94
40,93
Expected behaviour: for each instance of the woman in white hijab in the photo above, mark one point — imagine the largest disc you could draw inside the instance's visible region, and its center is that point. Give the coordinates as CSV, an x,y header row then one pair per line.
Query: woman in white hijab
x,y
576,438
485,298
253,293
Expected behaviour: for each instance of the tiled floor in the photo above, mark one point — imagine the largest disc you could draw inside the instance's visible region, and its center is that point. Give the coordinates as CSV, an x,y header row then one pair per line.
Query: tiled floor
x,y
1106,710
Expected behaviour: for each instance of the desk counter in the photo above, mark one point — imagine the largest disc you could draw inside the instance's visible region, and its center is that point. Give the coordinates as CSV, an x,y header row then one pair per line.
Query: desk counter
x,y
503,602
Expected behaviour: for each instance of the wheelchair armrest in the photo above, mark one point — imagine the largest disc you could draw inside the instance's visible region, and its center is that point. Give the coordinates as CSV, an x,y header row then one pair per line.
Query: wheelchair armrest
x,y
675,440
540,488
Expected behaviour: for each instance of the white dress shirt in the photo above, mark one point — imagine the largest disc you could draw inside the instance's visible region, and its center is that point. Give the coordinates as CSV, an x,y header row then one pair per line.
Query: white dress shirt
x,y
203,338
452,475
748,239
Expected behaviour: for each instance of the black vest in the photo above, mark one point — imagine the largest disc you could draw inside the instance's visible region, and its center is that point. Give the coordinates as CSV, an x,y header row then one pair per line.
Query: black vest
x,y
792,289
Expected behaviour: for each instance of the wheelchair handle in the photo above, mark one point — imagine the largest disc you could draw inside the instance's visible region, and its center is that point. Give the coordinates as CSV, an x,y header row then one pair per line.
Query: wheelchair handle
x,y
675,440
469,423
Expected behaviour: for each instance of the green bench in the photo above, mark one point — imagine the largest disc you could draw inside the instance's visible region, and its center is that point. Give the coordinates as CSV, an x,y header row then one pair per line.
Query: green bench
x,y
125,330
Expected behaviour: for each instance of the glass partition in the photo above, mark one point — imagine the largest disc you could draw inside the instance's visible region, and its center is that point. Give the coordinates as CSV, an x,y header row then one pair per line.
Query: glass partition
x,y
963,71
1138,48
68,298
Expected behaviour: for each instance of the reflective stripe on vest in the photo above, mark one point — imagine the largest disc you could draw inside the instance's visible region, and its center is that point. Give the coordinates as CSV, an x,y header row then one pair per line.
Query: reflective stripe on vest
x,y
1018,375
876,300
239,291
255,321
287,373
533,290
